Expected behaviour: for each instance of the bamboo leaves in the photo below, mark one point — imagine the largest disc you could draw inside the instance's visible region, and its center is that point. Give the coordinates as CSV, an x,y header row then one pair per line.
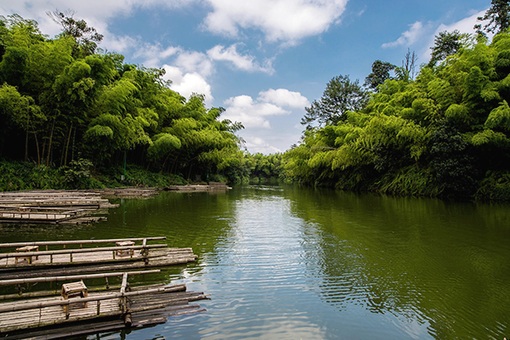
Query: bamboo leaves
x,y
450,125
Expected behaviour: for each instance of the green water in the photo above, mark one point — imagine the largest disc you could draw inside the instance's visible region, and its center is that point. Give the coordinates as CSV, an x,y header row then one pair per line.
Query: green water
x,y
293,263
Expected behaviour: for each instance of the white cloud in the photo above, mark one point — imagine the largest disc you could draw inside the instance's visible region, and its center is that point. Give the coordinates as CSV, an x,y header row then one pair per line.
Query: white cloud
x,y
249,112
280,20
188,83
465,25
257,144
407,38
153,55
255,113
189,71
120,44
284,97
242,62
193,61
267,119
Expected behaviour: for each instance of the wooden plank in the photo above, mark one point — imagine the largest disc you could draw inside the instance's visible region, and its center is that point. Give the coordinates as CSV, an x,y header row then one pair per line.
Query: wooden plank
x,y
87,267
47,293
74,277
7,307
54,243
78,251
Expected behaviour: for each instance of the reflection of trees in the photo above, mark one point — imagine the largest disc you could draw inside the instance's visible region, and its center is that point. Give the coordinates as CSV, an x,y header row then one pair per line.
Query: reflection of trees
x,y
422,260
195,220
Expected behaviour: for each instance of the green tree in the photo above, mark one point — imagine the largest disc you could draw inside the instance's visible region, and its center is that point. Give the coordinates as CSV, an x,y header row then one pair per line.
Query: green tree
x,y
20,111
86,37
499,18
380,73
341,95
447,44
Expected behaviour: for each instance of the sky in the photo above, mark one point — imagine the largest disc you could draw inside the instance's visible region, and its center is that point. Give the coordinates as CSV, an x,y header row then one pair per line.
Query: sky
x,y
263,61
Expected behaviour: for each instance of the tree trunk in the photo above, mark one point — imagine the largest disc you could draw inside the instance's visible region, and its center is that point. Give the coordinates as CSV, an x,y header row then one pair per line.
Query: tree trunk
x,y
74,140
37,148
26,141
26,146
67,145
163,167
49,145
43,152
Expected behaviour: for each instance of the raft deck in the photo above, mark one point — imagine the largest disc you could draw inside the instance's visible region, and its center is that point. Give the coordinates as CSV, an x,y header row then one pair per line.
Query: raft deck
x,y
52,207
99,311
20,264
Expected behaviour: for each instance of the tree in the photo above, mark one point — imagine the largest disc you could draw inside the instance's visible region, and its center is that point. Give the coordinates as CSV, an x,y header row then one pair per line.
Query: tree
x,y
498,16
20,111
380,72
86,37
406,72
447,44
341,95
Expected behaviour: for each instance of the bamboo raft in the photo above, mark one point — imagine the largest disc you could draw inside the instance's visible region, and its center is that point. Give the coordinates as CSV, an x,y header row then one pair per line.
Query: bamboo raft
x,y
129,192
126,254
212,186
52,206
107,309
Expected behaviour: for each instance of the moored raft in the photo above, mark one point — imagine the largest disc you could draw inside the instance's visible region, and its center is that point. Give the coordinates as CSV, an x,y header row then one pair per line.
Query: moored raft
x,y
52,207
212,186
85,256
103,310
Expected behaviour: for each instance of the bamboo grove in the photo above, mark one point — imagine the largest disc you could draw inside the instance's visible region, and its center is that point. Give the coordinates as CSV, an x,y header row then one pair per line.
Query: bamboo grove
x,y
444,133
61,101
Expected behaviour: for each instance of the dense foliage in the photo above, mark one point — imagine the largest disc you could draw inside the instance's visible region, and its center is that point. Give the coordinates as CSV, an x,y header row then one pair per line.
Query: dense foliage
x,y
446,133
61,101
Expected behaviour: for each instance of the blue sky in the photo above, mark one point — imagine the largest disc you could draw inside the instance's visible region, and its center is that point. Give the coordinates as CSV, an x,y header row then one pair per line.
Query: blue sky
x,y
264,61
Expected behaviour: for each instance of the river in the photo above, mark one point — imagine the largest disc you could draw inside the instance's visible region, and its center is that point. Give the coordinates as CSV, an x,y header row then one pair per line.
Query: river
x,y
282,262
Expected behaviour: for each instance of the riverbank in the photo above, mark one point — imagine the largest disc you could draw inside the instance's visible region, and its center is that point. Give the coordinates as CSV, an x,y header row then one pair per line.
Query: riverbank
x,y
16,176
79,175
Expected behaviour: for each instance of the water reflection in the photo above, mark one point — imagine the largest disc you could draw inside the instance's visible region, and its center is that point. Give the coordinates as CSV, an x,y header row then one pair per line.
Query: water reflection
x,y
290,263
435,267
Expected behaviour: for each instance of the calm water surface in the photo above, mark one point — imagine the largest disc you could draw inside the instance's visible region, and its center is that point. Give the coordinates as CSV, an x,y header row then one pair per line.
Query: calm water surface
x,y
291,263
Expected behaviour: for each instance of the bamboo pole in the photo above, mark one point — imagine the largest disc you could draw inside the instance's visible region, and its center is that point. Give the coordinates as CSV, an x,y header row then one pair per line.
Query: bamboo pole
x,y
124,283
74,277
123,265
54,243
75,251
35,305
123,299
47,293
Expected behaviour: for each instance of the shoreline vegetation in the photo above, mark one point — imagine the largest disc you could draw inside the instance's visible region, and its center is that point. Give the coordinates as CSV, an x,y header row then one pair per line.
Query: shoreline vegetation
x,y
75,117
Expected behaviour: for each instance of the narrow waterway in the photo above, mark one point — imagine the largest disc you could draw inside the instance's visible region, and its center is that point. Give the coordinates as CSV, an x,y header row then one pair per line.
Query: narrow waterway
x,y
291,263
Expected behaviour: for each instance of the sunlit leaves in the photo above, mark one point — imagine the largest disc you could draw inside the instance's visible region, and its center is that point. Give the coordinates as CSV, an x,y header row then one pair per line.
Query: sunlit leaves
x,y
490,137
458,114
499,118
21,110
163,144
